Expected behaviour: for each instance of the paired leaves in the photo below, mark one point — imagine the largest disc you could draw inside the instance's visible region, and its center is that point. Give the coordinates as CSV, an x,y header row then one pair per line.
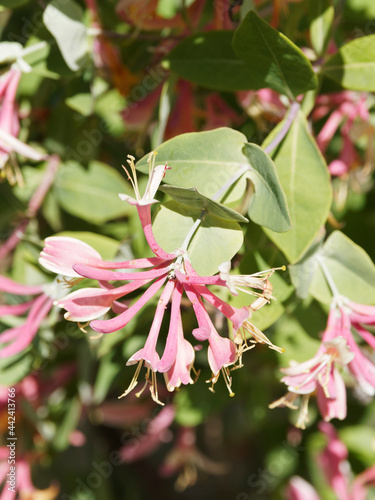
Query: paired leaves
x,y
207,160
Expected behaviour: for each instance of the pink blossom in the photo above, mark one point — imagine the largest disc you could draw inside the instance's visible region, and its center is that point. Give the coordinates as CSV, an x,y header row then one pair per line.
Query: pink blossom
x,y
320,375
299,489
346,107
171,274
9,122
333,461
19,337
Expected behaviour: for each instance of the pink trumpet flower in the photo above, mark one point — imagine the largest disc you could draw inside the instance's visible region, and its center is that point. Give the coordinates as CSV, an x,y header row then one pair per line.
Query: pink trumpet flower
x,y
318,375
339,348
299,489
333,461
171,274
9,122
16,339
346,107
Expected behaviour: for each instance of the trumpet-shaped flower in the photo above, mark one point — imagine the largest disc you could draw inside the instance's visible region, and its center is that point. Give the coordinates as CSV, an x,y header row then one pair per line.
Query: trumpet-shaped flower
x,y
9,122
333,461
320,375
17,338
299,489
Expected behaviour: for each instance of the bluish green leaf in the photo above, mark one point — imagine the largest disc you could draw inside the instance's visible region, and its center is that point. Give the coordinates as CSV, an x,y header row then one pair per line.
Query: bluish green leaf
x,y
350,268
204,160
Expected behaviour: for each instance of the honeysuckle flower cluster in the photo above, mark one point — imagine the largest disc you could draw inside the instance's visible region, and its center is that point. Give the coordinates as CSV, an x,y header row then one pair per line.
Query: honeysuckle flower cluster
x,y
338,351
170,273
333,461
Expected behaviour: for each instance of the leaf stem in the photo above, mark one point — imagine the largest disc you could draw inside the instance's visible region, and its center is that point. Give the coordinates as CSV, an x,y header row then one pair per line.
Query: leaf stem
x,y
336,294
191,233
293,110
34,48
230,182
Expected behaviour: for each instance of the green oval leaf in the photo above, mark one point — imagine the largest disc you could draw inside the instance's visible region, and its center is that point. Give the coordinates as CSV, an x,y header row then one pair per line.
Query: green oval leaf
x,y
92,194
209,60
274,60
215,241
353,66
322,14
305,179
350,267
204,160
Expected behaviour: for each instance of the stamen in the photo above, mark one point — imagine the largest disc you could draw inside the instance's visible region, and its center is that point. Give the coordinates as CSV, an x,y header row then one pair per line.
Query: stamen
x,y
196,373
154,389
134,381
286,400
68,283
228,380
304,412
134,181
148,381
82,327
151,162
94,337
259,336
